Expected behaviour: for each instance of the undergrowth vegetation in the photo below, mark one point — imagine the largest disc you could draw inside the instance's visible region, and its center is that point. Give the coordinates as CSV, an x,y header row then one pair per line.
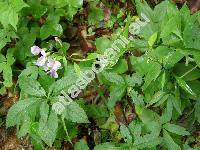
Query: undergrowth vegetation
x,y
147,98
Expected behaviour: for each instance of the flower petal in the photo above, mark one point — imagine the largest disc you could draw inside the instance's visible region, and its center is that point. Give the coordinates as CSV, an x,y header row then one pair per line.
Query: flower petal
x,y
53,73
35,50
56,65
43,53
41,61
50,62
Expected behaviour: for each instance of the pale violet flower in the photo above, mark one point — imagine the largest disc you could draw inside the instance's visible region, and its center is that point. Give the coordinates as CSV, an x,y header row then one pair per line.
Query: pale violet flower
x,y
35,50
49,65
53,73
53,66
42,60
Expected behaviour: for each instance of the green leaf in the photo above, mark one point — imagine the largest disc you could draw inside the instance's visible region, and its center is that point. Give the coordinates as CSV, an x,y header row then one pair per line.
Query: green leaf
x,y
136,78
157,97
102,47
181,68
48,124
24,129
175,129
73,112
113,77
30,71
136,98
120,67
9,12
50,29
95,15
63,83
45,80
17,111
197,110
116,93
125,133
169,142
40,11
81,145
176,103
106,146
143,7
147,141
146,115
9,56
154,71
7,75
167,114
31,87
197,59
184,86
76,3
152,39
4,38
58,3
170,26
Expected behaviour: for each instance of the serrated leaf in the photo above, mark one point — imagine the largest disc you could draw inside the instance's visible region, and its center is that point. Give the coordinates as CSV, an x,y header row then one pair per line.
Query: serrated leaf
x,y
169,142
113,77
157,97
167,115
153,72
184,85
48,124
31,87
9,12
136,78
175,129
64,83
147,141
7,75
73,112
24,129
125,133
17,110
136,97
31,71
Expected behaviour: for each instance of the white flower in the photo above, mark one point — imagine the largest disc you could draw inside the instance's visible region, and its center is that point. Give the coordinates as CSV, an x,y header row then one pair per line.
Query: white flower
x,y
54,65
35,50
41,61
50,66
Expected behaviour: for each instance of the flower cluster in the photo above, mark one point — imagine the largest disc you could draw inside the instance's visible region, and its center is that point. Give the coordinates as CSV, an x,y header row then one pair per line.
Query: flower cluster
x,y
50,66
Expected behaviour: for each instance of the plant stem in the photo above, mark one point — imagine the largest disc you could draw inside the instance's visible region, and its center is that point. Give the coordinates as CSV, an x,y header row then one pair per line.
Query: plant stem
x,y
65,128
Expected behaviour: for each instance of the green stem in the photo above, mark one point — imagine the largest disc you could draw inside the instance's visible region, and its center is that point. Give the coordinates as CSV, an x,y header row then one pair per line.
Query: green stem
x,y
65,128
